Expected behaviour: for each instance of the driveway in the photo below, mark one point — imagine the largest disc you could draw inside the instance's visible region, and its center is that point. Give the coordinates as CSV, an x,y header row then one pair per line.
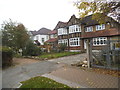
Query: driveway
x,y
13,75
70,59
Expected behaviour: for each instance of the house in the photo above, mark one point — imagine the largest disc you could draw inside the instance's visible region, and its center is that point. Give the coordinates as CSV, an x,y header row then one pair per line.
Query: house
x,y
53,41
69,33
100,33
76,31
40,36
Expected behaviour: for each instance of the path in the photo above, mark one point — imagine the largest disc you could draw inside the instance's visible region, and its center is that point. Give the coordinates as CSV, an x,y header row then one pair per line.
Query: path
x,y
85,79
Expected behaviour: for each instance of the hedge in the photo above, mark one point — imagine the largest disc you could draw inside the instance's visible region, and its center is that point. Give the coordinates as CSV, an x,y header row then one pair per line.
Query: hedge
x,y
7,56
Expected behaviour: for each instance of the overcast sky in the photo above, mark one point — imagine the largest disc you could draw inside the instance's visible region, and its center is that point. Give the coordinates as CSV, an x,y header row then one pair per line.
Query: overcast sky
x,y
35,14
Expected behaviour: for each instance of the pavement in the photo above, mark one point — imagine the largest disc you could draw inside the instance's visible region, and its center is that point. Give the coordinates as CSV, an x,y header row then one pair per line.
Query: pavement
x,y
61,72
79,78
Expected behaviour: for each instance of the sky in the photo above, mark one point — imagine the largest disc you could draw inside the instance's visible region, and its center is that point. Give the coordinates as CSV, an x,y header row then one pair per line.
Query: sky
x,y
35,14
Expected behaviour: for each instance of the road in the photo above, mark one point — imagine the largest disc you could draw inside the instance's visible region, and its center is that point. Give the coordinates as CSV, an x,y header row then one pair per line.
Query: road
x,y
13,75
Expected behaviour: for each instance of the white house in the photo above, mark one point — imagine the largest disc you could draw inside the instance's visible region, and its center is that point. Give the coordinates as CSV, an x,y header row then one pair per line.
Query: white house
x,y
40,36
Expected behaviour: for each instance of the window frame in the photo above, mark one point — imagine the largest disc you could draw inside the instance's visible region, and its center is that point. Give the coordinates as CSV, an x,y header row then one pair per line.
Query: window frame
x,y
74,41
62,31
89,29
74,29
99,41
100,27
63,41
43,40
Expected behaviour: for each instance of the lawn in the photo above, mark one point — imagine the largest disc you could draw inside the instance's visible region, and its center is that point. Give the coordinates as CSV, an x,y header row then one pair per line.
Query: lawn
x,y
57,55
42,82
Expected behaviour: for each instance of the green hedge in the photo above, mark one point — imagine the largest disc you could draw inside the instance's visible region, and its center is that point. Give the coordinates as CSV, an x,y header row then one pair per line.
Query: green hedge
x,y
7,56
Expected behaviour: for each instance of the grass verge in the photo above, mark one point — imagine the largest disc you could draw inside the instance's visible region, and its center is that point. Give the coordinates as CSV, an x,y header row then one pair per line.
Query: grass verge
x,y
42,82
57,55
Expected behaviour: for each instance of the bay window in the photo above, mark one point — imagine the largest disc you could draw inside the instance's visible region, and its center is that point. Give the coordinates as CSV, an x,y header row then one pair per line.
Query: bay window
x,y
74,28
62,31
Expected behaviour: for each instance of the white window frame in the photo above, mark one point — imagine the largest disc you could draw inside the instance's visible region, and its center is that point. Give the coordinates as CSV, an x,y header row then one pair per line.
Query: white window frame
x,y
62,31
63,41
43,40
100,27
89,29
74,28
74,41
97,41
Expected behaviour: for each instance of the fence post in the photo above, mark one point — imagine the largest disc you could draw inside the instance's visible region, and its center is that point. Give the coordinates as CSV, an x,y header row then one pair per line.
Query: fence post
x,y
108,54
89,51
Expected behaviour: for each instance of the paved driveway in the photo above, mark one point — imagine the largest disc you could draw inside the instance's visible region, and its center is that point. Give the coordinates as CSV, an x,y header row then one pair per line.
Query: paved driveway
x,y
12,76
70,59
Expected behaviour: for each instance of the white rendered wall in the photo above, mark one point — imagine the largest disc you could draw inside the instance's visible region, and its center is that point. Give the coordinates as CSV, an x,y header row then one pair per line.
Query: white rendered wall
x,y
39,38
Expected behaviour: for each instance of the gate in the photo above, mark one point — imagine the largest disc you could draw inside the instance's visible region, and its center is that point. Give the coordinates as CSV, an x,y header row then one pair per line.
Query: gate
x,y
108,56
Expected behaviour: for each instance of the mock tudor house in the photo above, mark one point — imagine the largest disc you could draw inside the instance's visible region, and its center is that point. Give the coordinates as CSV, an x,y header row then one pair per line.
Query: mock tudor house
x,y
69,33
100,33
75,32
40,36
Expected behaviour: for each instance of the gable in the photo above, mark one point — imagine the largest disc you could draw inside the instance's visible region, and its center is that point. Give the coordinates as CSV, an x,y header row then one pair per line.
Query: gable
x,y
60,25
73,20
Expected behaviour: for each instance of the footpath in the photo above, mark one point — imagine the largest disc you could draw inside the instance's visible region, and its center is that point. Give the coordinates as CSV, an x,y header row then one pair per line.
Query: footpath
x,y
79,78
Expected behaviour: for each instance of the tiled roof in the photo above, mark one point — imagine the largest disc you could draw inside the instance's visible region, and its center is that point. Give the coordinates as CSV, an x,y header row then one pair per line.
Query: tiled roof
x,y
42,31
88,21
110,32
53,32
52,40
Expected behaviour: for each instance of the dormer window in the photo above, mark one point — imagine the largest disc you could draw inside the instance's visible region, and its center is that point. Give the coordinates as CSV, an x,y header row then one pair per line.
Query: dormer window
x,y
100,27
89,29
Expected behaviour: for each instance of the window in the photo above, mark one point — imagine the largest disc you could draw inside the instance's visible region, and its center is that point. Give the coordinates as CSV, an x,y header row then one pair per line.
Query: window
x,y
89,29
74,28
62,31
99,41
100,27
43,40
74,41
63,41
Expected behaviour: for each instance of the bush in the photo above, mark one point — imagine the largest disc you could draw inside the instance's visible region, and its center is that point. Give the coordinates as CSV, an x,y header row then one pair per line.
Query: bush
x,y
31,50
7,56
62,47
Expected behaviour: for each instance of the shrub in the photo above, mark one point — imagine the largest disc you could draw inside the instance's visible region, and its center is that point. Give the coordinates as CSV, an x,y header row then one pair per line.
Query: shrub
x,y
31,50
7,56
62,47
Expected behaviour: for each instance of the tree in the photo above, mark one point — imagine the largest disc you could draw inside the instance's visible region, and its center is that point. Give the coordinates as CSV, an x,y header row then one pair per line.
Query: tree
x,y
100,9
14,35
31,49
